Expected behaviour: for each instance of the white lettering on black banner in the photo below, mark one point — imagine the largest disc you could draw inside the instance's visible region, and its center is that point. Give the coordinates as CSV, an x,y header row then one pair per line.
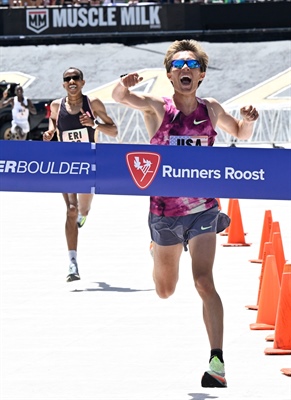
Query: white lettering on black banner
x,y
75,17
141,15
82,17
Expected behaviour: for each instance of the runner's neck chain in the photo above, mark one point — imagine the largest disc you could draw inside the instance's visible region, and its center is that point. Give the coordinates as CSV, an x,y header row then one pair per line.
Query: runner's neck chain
x,y
74,103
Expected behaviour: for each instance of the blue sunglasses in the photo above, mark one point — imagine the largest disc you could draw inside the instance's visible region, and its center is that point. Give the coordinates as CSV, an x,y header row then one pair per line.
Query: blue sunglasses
x,y
180,64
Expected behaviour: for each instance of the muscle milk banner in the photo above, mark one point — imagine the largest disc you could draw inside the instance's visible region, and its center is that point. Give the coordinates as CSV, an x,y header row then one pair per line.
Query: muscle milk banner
x,y
146,20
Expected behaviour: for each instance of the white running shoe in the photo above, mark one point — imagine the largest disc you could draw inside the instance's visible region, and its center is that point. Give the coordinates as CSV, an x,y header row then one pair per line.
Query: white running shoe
x,y
73,274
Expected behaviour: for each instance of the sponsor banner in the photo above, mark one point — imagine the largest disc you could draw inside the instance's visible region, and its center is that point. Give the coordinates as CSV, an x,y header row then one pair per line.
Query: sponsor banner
x,y
197,171
191,171
21,23
81,20
47,167
88,19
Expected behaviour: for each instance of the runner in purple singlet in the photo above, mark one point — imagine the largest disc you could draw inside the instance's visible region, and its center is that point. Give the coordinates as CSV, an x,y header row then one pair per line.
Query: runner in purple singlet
x,y
182,221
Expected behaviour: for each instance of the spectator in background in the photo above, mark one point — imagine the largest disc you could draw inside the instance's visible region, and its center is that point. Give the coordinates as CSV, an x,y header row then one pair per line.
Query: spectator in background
x,y
21,107
34,3
96,3
82,3
68,3
15,3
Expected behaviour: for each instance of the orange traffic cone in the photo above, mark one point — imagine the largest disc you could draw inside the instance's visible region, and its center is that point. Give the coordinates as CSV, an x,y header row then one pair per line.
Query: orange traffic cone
x,y
269,297
279,253
229,211
275,227
268,250
236,236
265,237
282,337
280,261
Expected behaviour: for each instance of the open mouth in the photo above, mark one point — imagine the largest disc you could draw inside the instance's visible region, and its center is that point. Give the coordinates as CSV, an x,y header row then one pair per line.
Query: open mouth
x,y
73,87
185,80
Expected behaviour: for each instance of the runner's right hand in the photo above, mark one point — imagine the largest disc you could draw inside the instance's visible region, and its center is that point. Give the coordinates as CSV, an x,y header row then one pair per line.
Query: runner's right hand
x,y
48,135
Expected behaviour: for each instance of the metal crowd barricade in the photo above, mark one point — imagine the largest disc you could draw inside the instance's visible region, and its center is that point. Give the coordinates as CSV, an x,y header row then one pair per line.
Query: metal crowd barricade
x,y
272,128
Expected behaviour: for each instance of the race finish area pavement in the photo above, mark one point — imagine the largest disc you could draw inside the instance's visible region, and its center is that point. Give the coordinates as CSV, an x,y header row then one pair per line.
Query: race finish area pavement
x,y
109,336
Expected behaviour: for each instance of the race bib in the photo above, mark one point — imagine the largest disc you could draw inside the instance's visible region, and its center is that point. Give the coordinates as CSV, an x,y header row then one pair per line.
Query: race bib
x,y
76,135
189,140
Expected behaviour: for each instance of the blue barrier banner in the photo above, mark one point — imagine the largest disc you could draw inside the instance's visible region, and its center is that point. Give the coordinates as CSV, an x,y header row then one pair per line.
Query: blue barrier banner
x,y
194,171
145,170
32,166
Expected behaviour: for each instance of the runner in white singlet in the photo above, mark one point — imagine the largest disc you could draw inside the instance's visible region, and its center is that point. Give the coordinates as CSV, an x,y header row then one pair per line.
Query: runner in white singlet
x,y
21,108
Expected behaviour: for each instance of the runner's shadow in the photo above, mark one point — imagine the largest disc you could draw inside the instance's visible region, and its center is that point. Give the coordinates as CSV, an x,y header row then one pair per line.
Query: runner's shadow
x,y
201,396
104,287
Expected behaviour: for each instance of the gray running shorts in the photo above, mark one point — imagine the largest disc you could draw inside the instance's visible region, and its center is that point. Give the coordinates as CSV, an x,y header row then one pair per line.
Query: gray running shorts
x,y
167,231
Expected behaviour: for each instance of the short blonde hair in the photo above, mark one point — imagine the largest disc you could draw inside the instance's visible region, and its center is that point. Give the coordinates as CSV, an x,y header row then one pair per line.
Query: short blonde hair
x,y
186,45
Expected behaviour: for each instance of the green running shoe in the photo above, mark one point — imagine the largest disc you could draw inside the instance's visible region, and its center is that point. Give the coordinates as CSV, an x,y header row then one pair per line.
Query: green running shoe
x,y
81,220
215,376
